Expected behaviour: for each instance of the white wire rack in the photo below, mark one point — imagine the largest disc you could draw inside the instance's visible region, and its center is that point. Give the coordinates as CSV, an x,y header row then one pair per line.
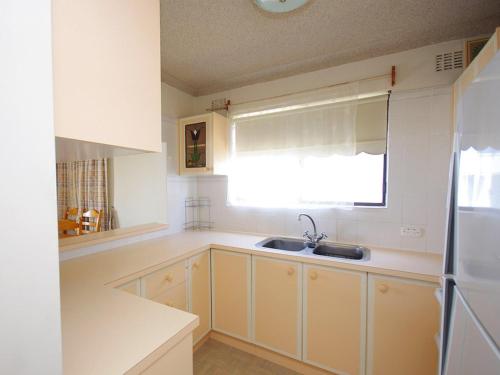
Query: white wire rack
x,y
197,214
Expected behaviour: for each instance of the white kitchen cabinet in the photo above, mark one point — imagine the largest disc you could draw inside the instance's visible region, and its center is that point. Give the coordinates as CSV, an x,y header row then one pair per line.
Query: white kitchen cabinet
x,y
200,293
203,144
180,358
160,281
277,305
107,84
231,296
403,318
335,319
341,321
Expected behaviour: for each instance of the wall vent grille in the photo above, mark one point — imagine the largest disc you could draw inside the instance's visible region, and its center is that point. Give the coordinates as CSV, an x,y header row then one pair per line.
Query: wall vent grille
x,y
449,61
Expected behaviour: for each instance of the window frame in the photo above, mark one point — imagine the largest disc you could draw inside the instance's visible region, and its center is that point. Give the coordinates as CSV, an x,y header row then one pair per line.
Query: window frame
x,y
384,190
384,177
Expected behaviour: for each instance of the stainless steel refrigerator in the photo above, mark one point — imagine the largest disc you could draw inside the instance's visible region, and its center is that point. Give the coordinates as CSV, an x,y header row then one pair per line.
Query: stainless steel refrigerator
x,y
470,334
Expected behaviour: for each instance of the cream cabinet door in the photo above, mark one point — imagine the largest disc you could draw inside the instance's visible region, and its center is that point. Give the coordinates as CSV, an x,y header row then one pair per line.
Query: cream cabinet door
x,y
277,305
335,319
403,318
231,273
107,83
199,271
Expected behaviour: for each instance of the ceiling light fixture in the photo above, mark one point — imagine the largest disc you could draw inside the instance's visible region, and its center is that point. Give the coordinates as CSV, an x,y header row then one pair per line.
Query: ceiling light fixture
x,y
280,6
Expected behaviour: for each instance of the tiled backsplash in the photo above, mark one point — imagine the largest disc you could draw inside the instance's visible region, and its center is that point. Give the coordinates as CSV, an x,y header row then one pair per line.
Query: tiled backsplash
x,y
419,153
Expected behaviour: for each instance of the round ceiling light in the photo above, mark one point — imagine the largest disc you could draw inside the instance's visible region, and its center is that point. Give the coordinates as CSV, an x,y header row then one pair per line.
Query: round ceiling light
x,y
280,6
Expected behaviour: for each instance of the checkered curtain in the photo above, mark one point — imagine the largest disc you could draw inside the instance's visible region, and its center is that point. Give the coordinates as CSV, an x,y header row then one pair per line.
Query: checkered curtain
x,y
84,184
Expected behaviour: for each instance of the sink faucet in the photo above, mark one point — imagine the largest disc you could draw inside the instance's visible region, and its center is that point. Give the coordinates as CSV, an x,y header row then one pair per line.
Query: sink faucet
x,y
312,239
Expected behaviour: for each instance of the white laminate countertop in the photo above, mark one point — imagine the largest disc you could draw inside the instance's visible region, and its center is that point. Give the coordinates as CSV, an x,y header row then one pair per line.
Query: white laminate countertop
x,y
107,331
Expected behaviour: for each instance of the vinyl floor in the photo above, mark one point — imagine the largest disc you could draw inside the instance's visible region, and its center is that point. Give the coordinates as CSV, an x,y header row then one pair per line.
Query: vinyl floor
x,y
216,358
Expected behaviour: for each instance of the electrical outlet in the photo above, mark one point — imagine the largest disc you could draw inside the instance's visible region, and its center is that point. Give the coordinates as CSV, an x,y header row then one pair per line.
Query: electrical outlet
x,y
410,231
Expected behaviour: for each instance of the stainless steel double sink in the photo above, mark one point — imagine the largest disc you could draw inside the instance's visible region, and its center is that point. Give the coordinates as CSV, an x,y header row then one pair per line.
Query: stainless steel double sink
x,y
327,249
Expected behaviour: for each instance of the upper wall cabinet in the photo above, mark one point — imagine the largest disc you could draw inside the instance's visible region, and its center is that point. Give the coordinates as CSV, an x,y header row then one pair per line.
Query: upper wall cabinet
x,y
203,144
107,84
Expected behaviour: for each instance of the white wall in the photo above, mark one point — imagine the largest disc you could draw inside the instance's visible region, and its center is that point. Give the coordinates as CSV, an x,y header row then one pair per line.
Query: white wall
x,y
419,147
30,323
176,104
179,187
140,188
415,69
146,187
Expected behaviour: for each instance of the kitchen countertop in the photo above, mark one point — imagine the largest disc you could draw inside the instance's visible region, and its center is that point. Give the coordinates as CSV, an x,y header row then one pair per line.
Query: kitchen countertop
x,y
108,331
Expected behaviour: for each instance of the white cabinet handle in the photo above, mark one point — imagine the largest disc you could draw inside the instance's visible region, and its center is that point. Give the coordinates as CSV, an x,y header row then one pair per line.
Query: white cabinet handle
x,y
383,288
169,278
313,275
291,271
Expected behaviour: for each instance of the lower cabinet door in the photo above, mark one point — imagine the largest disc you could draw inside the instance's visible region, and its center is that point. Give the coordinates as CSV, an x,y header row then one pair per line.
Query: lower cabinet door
x,y
231,274
180,358
335,319
174,297
277,305
199,267
403,318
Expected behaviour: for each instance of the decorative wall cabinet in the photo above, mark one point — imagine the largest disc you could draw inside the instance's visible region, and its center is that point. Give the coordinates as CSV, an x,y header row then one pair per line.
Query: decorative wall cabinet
x,y
203,144
107,84
403,318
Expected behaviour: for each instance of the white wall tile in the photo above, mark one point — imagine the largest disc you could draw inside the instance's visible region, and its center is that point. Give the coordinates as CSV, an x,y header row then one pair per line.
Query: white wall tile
x,y
436,224
414,243
415,208
347,231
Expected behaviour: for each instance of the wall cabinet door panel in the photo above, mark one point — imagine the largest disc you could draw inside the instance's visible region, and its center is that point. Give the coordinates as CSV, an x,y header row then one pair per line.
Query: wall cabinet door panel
x,y
107,84
277,305
203,144
403,318
335,319
231,274
200,293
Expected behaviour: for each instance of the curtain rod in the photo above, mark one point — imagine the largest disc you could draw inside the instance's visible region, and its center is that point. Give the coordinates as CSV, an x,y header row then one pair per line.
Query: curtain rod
x,y
392,74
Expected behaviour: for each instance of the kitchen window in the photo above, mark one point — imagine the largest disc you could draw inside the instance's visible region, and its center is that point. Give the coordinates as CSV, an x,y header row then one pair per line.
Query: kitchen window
x,y
326,152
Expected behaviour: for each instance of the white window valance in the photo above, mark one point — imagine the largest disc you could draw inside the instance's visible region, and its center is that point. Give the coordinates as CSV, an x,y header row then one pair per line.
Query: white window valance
x,y
339,120
352,127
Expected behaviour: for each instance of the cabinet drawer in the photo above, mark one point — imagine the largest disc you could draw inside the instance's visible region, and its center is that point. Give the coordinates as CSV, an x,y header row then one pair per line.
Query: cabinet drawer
x,y
164,279
174,297
132,287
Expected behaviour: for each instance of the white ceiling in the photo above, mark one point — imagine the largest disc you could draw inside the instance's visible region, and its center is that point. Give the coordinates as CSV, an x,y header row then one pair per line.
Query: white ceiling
x,y
214,45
